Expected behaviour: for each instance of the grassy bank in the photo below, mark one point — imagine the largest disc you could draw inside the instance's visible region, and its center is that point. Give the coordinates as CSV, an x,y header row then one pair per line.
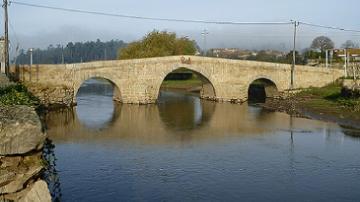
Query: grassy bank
x,y
17,94
181,84
329,97
326,103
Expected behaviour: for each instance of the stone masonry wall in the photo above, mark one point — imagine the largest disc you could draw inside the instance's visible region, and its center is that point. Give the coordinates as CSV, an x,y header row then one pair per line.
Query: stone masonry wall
x,y
138,81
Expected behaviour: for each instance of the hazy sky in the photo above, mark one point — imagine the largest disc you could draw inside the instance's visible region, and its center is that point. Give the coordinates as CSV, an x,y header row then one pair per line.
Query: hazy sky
x,y
37,27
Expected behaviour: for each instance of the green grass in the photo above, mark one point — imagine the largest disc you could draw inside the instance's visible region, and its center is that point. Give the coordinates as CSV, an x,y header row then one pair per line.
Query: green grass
x,y
181,84
330,96
17,95
332,90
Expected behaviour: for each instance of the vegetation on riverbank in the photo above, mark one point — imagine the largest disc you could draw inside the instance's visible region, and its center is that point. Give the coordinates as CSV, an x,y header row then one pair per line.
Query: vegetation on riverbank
x,y
186,84
17,94
326,103
330,96
181,84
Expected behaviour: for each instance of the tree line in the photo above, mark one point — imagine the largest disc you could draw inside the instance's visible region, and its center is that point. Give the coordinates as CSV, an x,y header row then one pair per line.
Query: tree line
x,y
162,43
72,52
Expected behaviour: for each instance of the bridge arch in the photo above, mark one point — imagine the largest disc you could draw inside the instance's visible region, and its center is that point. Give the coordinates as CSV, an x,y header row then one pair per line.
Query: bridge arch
x,y
208,89
117,95
261,87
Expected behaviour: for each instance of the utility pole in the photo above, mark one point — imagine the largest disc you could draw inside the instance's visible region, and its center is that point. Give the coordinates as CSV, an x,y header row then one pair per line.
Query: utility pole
x,y
331,57
204,34
31,62
327,58
105,54
6,44
346,63
296,24
62,55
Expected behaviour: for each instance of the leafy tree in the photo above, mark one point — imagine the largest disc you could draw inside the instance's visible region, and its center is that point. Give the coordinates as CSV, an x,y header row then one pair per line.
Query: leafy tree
x,y
311,54
299,59
350,44
158,44
322,43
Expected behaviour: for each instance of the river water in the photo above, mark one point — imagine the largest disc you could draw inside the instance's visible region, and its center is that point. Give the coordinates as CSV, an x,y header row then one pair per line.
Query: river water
x,y
187,149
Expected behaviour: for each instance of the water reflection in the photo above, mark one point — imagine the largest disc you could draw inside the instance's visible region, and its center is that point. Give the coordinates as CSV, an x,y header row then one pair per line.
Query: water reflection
x,y
95,104
187,149
186,116
50,174
351,132
180,112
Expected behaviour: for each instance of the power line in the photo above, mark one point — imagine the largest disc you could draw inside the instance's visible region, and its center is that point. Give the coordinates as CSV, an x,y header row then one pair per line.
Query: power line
x,y
179,20
329,27
147,18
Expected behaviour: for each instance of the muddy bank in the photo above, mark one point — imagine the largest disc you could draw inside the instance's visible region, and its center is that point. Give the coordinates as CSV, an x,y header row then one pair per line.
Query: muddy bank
x,y
314,108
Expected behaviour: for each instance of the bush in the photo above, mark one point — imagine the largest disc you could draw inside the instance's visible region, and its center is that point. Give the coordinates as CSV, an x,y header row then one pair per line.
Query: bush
x,y
158,44
17,95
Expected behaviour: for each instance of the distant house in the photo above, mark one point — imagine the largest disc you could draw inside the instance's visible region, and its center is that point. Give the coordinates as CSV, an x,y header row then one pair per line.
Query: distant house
x,y
232,53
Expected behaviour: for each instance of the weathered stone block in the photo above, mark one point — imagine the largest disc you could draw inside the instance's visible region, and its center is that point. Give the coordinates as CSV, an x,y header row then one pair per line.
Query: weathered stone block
x,y
20,130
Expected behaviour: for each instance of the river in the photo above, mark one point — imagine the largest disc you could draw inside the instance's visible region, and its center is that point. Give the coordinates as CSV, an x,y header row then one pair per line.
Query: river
x,y
187,149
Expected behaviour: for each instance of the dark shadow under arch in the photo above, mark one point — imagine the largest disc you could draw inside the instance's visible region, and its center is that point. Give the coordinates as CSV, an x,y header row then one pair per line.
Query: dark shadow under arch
x,y
260,89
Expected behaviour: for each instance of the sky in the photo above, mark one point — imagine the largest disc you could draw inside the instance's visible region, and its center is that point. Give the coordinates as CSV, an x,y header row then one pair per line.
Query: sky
x,y
38,27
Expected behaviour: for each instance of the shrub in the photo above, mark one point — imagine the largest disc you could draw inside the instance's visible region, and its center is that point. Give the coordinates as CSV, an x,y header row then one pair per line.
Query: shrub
x,y
17,95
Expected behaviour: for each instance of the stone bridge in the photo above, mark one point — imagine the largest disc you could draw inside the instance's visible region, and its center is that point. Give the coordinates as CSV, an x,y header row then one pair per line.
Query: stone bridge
x,y
138,81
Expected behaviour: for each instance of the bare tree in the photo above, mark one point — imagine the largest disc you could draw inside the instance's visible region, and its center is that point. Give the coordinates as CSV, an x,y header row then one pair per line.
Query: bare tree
x,y
322,43
350,44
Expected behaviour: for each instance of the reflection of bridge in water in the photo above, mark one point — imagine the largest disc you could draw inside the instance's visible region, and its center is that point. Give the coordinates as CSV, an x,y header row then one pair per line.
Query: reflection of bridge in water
x,y
164,123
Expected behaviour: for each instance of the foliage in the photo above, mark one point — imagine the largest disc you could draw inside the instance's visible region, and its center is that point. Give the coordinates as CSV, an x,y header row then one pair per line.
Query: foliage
x,y
17,95
286,59
324,92
73,52
350,44
158,44
332,94
193,82
322,43
311,54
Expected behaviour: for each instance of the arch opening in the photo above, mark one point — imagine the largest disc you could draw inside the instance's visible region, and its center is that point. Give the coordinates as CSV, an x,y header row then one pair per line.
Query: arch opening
x,y
99,86
188,81
261,89
95,102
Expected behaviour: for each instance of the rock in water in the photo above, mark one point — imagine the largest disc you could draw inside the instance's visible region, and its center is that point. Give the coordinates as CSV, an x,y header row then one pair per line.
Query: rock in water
x,y
39,192
17,171
20,130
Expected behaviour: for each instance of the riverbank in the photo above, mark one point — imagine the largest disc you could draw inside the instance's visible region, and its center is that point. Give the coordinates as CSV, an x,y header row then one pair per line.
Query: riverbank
x,y
326,104
22,139
189,85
